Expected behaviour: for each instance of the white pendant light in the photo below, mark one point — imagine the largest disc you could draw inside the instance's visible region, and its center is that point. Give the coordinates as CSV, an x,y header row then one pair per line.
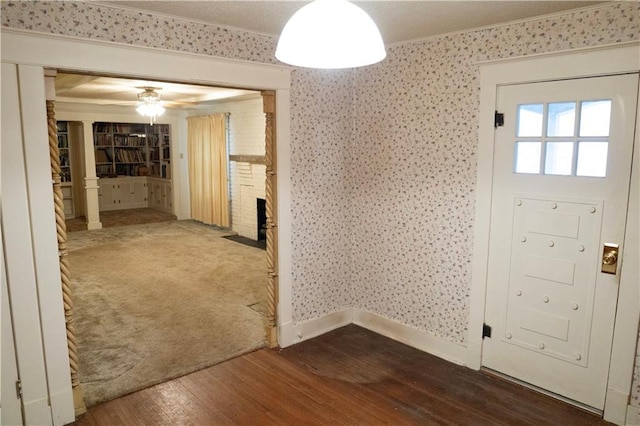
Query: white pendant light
x,y
330,34
150,105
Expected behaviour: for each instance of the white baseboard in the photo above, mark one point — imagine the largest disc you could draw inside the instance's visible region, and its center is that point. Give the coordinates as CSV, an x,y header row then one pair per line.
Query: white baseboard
x,y
615,406
37,412
633,416
62,408
474,355
421,340
290,333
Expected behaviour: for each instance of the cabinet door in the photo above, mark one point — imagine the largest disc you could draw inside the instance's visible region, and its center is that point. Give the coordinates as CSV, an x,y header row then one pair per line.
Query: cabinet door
x,y
109,196
125,188
167,201
139,192
67,199
133,193
157,195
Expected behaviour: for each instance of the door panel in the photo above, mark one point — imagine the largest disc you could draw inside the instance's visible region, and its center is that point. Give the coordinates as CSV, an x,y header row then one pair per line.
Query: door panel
x,y
11,404
562,166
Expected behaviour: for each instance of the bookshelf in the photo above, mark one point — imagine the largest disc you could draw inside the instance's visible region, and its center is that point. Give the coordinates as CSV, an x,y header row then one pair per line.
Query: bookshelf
x,y
63,148
64,154
159,151
133,162
120,149
132,149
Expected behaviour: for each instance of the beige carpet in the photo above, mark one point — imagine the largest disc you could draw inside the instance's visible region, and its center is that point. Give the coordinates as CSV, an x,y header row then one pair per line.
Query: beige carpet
x,y
111,219
157,301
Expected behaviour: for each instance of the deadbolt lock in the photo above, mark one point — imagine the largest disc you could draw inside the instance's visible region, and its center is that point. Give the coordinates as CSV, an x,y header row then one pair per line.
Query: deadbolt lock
x,y
610,258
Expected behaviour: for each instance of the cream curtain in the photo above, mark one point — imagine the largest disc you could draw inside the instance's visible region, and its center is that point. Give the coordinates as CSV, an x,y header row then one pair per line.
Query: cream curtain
x,y
208,186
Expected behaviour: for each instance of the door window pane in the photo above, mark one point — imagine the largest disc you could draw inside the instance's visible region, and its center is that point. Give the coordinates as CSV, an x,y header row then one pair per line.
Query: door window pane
x,y
592,159
595,118
530,120
528,157
561,120
559,158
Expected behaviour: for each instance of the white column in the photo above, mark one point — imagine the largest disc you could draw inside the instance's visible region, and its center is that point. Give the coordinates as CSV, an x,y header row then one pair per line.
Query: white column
x,y
90,179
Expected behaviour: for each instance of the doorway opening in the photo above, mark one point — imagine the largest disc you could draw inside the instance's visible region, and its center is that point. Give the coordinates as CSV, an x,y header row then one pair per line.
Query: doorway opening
x,y
125,358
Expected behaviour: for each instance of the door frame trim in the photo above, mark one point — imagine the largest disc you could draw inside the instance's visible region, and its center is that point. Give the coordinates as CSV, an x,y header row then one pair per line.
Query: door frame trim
x,y
590,62
43,50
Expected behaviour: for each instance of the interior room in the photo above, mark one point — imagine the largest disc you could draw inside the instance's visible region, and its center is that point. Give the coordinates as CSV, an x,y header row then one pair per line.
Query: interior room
x,y
464,211
130,155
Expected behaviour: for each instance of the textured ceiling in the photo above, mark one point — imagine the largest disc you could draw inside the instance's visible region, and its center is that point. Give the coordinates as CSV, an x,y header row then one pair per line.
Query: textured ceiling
x,y
398,20
100,90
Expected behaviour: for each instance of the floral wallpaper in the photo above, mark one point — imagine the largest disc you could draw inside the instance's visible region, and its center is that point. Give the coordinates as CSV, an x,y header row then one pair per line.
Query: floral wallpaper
x,y
413,168
322,129
321,124
383,157
87,20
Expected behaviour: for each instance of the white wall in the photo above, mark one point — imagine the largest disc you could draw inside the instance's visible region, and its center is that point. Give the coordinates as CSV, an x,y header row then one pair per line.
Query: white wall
x,y
247,180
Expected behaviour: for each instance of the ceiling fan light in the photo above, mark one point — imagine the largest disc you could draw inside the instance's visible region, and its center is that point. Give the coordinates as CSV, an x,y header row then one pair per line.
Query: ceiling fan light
x,y
330,34
150,110
150,105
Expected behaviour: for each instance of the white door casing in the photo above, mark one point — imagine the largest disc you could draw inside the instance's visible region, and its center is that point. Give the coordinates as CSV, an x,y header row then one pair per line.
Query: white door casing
x,y
101,57
551,309
612,59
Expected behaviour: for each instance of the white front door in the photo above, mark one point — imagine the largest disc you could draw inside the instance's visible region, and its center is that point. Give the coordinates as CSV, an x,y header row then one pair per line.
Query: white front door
x,y
562,165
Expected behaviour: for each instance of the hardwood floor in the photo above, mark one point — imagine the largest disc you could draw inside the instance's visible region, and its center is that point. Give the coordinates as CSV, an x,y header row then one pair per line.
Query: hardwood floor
x,y
350,376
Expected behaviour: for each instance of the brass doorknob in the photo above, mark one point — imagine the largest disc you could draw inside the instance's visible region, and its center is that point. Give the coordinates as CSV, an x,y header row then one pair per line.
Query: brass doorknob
x,y
610,258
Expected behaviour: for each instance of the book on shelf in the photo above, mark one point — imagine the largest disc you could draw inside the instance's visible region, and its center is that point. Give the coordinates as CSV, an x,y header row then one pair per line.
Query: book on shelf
x,y
133,141
129,155
129,128
102,140
63,141
102,127
104,170
132,149
103,156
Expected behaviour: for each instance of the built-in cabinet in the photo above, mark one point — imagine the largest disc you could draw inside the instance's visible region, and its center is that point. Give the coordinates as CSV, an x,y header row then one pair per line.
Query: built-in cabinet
x,y
122,193
134,193
64,153
133,164
160,197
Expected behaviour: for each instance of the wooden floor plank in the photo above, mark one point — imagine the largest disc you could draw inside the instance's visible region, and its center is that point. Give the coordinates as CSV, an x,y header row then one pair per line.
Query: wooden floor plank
x,y
346,377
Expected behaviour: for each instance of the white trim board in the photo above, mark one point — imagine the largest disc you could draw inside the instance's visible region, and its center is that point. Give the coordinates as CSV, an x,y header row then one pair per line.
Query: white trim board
x,y
293,334
426,342
74,54
633,416
597,61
